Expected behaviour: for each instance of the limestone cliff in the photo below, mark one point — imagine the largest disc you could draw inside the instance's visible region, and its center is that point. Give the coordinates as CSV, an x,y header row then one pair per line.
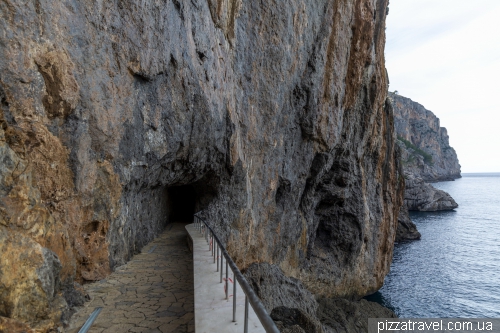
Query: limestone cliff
x,y
406,230
426,157
424,197
273,114
426,151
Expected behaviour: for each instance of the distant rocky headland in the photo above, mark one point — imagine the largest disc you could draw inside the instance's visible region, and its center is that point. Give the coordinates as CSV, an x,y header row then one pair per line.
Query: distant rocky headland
x,y
426,157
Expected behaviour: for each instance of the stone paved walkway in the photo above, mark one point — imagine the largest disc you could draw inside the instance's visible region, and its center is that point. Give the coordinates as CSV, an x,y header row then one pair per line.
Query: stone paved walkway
x,y
151,293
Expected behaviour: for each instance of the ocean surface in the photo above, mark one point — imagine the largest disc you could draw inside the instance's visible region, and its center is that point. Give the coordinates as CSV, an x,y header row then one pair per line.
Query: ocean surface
x,y
454,270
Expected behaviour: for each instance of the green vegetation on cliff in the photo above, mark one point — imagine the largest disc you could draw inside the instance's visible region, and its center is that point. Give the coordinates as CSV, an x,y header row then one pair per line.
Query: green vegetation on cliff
x,y
427,157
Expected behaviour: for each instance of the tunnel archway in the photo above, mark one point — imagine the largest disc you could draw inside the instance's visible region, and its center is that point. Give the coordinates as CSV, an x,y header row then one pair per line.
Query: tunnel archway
x,y
183,203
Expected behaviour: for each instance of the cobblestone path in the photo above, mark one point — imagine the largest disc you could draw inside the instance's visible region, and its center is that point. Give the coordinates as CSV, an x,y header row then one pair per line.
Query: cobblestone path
x,y
151,293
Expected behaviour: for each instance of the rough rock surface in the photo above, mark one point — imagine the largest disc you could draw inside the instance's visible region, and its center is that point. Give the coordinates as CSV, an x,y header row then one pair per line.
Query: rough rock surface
x,y
294,320
275,289
274,113
295,310
29,282
9,325
426,151
424,197
419,196
426,157
343,316
407,230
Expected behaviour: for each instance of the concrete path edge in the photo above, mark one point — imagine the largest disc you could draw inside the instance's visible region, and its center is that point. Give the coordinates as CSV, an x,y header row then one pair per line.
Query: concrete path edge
x,y
212,312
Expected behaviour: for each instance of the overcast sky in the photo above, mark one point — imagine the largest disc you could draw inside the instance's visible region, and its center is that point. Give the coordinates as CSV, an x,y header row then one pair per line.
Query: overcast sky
x,y
445,55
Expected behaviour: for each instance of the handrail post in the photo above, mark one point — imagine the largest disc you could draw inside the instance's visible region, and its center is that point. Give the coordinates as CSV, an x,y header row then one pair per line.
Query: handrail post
x,y
234,297
221,266
245,325
217,257
227,276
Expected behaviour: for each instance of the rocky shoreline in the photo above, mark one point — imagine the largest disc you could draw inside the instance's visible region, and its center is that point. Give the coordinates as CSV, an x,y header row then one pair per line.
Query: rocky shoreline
x,y
426,157
420,196
423,197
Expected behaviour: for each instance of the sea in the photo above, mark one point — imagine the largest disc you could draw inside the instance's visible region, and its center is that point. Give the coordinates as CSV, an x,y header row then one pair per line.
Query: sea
x,y
454,270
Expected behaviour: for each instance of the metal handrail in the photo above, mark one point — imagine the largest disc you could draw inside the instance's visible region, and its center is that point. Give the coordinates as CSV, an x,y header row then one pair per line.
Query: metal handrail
x,y
88,323
250,296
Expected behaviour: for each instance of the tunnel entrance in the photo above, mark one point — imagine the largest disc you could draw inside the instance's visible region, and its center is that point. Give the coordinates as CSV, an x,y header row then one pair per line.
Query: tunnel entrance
x,y
183,203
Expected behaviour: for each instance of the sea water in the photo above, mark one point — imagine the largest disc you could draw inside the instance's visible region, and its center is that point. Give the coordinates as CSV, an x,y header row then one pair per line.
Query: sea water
x,y
454,270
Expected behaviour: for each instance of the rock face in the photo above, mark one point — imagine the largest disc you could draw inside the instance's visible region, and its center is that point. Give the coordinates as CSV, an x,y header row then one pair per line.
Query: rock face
x,y
270,116
10,325
426,151
407,230
29,282
296,310
426,198
426,157
342,315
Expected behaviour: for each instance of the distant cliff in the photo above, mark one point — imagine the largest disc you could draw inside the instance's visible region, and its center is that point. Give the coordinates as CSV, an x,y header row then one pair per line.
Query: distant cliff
x,y
426,156
426,151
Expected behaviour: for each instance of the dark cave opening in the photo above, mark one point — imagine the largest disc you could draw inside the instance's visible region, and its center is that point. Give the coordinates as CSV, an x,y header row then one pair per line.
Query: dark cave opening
x,y
183,203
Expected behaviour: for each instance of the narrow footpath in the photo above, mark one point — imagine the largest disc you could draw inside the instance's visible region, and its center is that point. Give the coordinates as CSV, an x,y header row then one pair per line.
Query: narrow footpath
x,y
152,293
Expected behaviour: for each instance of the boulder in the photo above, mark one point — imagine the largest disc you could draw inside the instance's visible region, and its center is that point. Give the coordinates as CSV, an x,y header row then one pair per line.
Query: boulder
x,y
421,196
